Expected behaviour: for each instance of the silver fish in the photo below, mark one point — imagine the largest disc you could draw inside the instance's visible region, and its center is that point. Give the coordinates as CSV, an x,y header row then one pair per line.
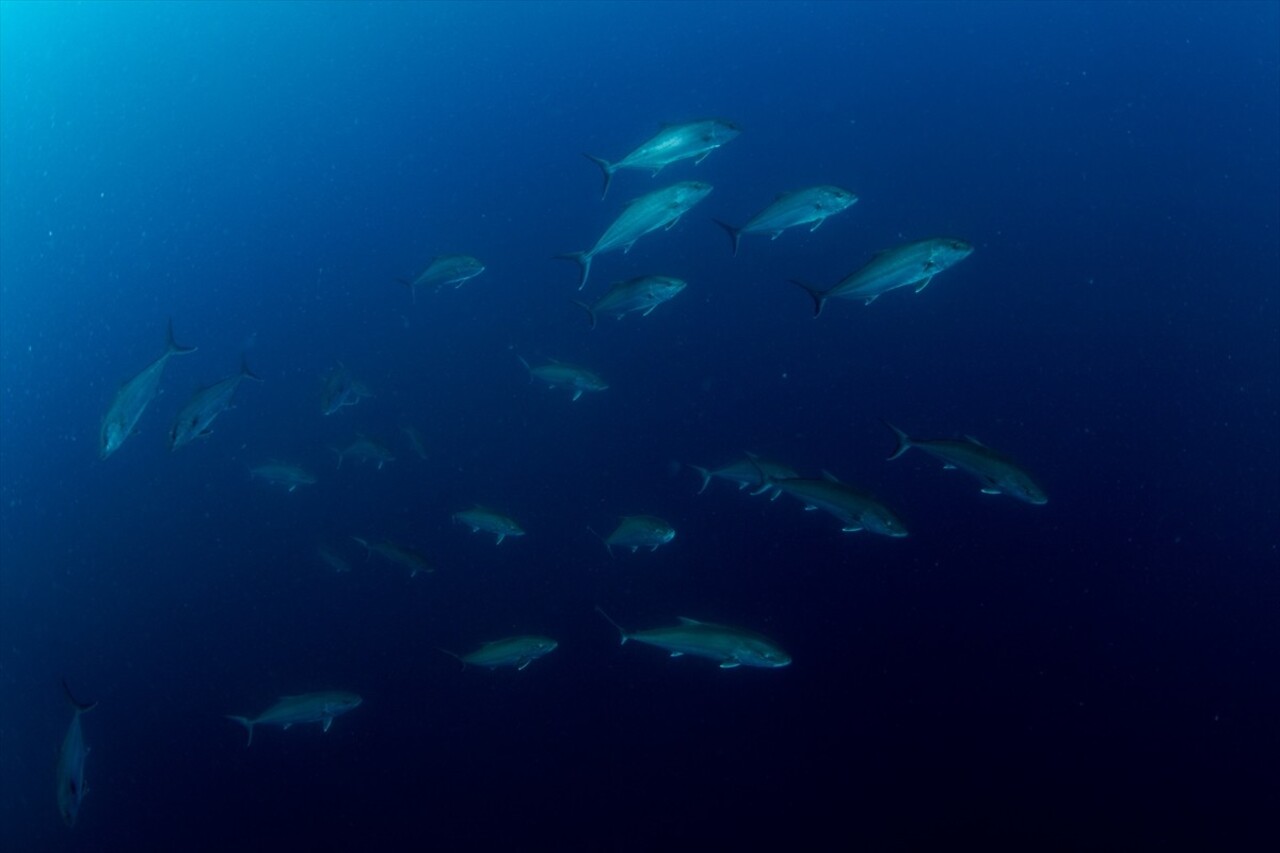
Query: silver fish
x,y
997,473
639,531
365,450
71,758
752,472
443,270
637,294
196,418
856,510
319,707
398,554
659,209
730,647
511,651
557,374
283,474
479,519
672,143
133,398
342,389
914,264
809,206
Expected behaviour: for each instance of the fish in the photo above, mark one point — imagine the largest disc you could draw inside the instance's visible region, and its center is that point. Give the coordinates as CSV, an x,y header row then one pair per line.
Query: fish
x,y
196,418
365,449
810,206
283,474
659,209
445,269
121,419
489,521
342,389
415,441
332,558
857,510
319,707
750,472
674,142
637,294
998,474
511,651
71,760
914,264
557,374
398,554
730,647
639,531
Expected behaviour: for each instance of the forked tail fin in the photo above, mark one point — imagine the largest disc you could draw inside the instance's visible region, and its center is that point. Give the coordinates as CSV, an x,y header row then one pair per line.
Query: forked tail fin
x,y
608,169
904,441
172,346
735,234
819,298
81,707
583,260
622,631
247,723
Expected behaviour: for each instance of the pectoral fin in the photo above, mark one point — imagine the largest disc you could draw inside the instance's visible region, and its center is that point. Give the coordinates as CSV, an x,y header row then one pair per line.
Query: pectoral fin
x,y
730,664
328,721
991,490
677,654
576,395
922,285
816,224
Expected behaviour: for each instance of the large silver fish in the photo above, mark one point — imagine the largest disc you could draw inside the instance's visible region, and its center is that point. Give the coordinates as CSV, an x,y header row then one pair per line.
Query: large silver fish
x,y
342,389
283,474
997,473
751,472
857,510
809,206
511,651
133,398
365,450
914,264
639,531
398,554
730,647
445,269
196,418
71,758
672,143
479,519
659,209
637,294
557,374
319,707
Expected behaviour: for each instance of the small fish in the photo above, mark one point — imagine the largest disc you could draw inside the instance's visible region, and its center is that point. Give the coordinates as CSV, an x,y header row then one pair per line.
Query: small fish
x,y
672,143
196,418
809,206
557,374
443,270
914,264
415,441
319,707
479,519
638,294
997,473
121,419
365,450
659,209
752,472
71,759
332,559
283,474
639,531
855,509
342,389
512,651
398,554
730,647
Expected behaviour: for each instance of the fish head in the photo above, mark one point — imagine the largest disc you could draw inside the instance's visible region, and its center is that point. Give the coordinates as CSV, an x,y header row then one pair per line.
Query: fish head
x,y
722,130
884,523
113,435
763,655
690,193
949,252
546,645
667,534
340,703
70,794
838,198
1022,488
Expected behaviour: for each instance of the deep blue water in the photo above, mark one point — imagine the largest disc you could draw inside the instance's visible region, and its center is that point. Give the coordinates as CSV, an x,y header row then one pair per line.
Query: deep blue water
x,y
1097,673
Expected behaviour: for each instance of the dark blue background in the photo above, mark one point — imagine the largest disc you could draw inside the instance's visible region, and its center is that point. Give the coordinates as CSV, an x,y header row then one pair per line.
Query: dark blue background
x,y
1098,673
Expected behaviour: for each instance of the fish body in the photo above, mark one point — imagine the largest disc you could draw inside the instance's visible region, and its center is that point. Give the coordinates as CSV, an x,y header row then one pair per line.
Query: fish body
x,y
196,418
511,651
674,142
638,294
342,389
639,531
730,647
809,206
398,554
857,510
481,519
366,450
71,761
283,474
912,265
319,707
749,473
446,270
659,209
998,474
332,559
557,374
133,398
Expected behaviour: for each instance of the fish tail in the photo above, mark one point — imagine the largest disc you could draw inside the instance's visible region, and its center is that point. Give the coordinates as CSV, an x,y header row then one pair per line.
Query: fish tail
x,y
247,723
735,234
621,630
591,314
705,475
81,707
904,441
607,546
246,372
819,298
608,169
453,655
173,346
582,259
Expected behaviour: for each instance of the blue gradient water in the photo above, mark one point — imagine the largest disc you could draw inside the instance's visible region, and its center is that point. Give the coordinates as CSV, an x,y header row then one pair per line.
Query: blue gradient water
x,y
1096,673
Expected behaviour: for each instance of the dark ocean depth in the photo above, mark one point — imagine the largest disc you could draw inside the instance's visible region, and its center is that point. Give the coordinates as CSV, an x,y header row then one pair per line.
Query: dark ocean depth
x,y
1100,672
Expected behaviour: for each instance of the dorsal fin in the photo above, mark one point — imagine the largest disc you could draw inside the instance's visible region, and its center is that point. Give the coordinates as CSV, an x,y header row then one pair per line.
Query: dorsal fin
x,y
685,620
828,476
973,440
